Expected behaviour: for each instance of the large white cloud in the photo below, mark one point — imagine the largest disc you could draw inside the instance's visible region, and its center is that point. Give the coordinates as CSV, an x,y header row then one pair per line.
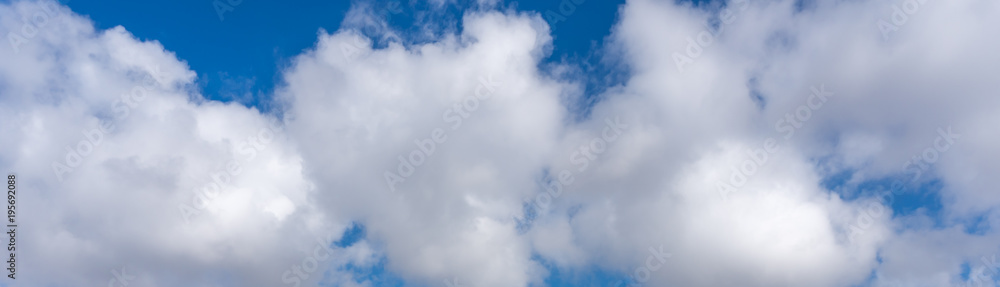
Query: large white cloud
x,y
464,163
471,118
891,100
114,155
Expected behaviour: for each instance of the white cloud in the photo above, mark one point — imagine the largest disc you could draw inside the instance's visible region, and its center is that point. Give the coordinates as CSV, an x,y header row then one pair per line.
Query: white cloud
x,y
473,132
117,201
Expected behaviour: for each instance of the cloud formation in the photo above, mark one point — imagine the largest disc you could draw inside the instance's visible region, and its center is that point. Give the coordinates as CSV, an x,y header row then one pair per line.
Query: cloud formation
x,y
755,143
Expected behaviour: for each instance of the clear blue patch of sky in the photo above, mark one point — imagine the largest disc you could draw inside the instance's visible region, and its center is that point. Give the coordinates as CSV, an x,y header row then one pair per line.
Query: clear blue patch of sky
x,y
352,235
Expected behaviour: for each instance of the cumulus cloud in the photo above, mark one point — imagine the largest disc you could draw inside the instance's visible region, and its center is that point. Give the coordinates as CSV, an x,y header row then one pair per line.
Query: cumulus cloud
x,y
122,168
714,164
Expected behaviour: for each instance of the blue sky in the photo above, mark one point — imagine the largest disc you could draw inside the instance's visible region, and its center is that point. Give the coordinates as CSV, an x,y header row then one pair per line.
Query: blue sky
x,y
363,151
243,52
